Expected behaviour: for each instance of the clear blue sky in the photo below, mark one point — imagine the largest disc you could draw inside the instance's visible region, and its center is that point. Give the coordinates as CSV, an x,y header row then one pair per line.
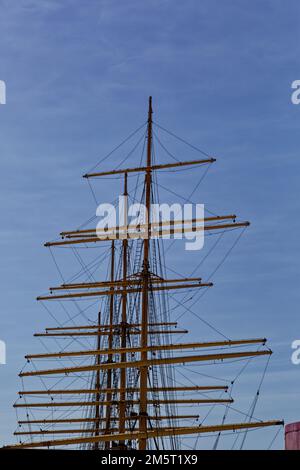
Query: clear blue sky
x,y
78,75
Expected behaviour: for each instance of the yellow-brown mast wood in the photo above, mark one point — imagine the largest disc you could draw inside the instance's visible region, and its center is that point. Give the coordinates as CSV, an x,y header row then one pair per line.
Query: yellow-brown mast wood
x,y
123,403
110,343
122,283
132,402
147,363
77,431
107,327
90,420
164,347
149,167
145,284
62,431
123,291
127,390
117,362
97,386
108,333
152,434
152,225
156,234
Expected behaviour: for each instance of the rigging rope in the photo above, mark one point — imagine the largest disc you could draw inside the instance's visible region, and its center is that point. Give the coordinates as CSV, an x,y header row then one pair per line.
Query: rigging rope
x,y
181,139
117,147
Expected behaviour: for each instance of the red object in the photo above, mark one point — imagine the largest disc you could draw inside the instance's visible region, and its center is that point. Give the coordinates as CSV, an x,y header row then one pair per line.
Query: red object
x,y
292,436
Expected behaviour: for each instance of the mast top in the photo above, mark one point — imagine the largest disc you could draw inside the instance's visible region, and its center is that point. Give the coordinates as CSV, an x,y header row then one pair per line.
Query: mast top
x,y
150,111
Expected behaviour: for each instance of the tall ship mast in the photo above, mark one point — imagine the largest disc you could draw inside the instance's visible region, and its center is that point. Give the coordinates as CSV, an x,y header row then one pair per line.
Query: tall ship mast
x,y
111,381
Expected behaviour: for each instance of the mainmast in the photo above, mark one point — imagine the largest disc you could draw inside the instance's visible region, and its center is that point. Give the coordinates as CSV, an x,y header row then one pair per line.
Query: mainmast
x,y
122,408
145,292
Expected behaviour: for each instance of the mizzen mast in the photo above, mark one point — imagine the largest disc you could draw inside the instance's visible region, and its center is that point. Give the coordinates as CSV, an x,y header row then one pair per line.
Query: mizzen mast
x,y
145,277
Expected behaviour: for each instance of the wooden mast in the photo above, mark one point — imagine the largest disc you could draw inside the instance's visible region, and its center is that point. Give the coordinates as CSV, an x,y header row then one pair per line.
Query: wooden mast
x,y
123,372
145,277
116,431
97,387
110,344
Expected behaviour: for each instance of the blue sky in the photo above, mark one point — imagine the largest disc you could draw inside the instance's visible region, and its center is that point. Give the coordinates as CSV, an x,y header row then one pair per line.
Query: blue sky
x,y
78,75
